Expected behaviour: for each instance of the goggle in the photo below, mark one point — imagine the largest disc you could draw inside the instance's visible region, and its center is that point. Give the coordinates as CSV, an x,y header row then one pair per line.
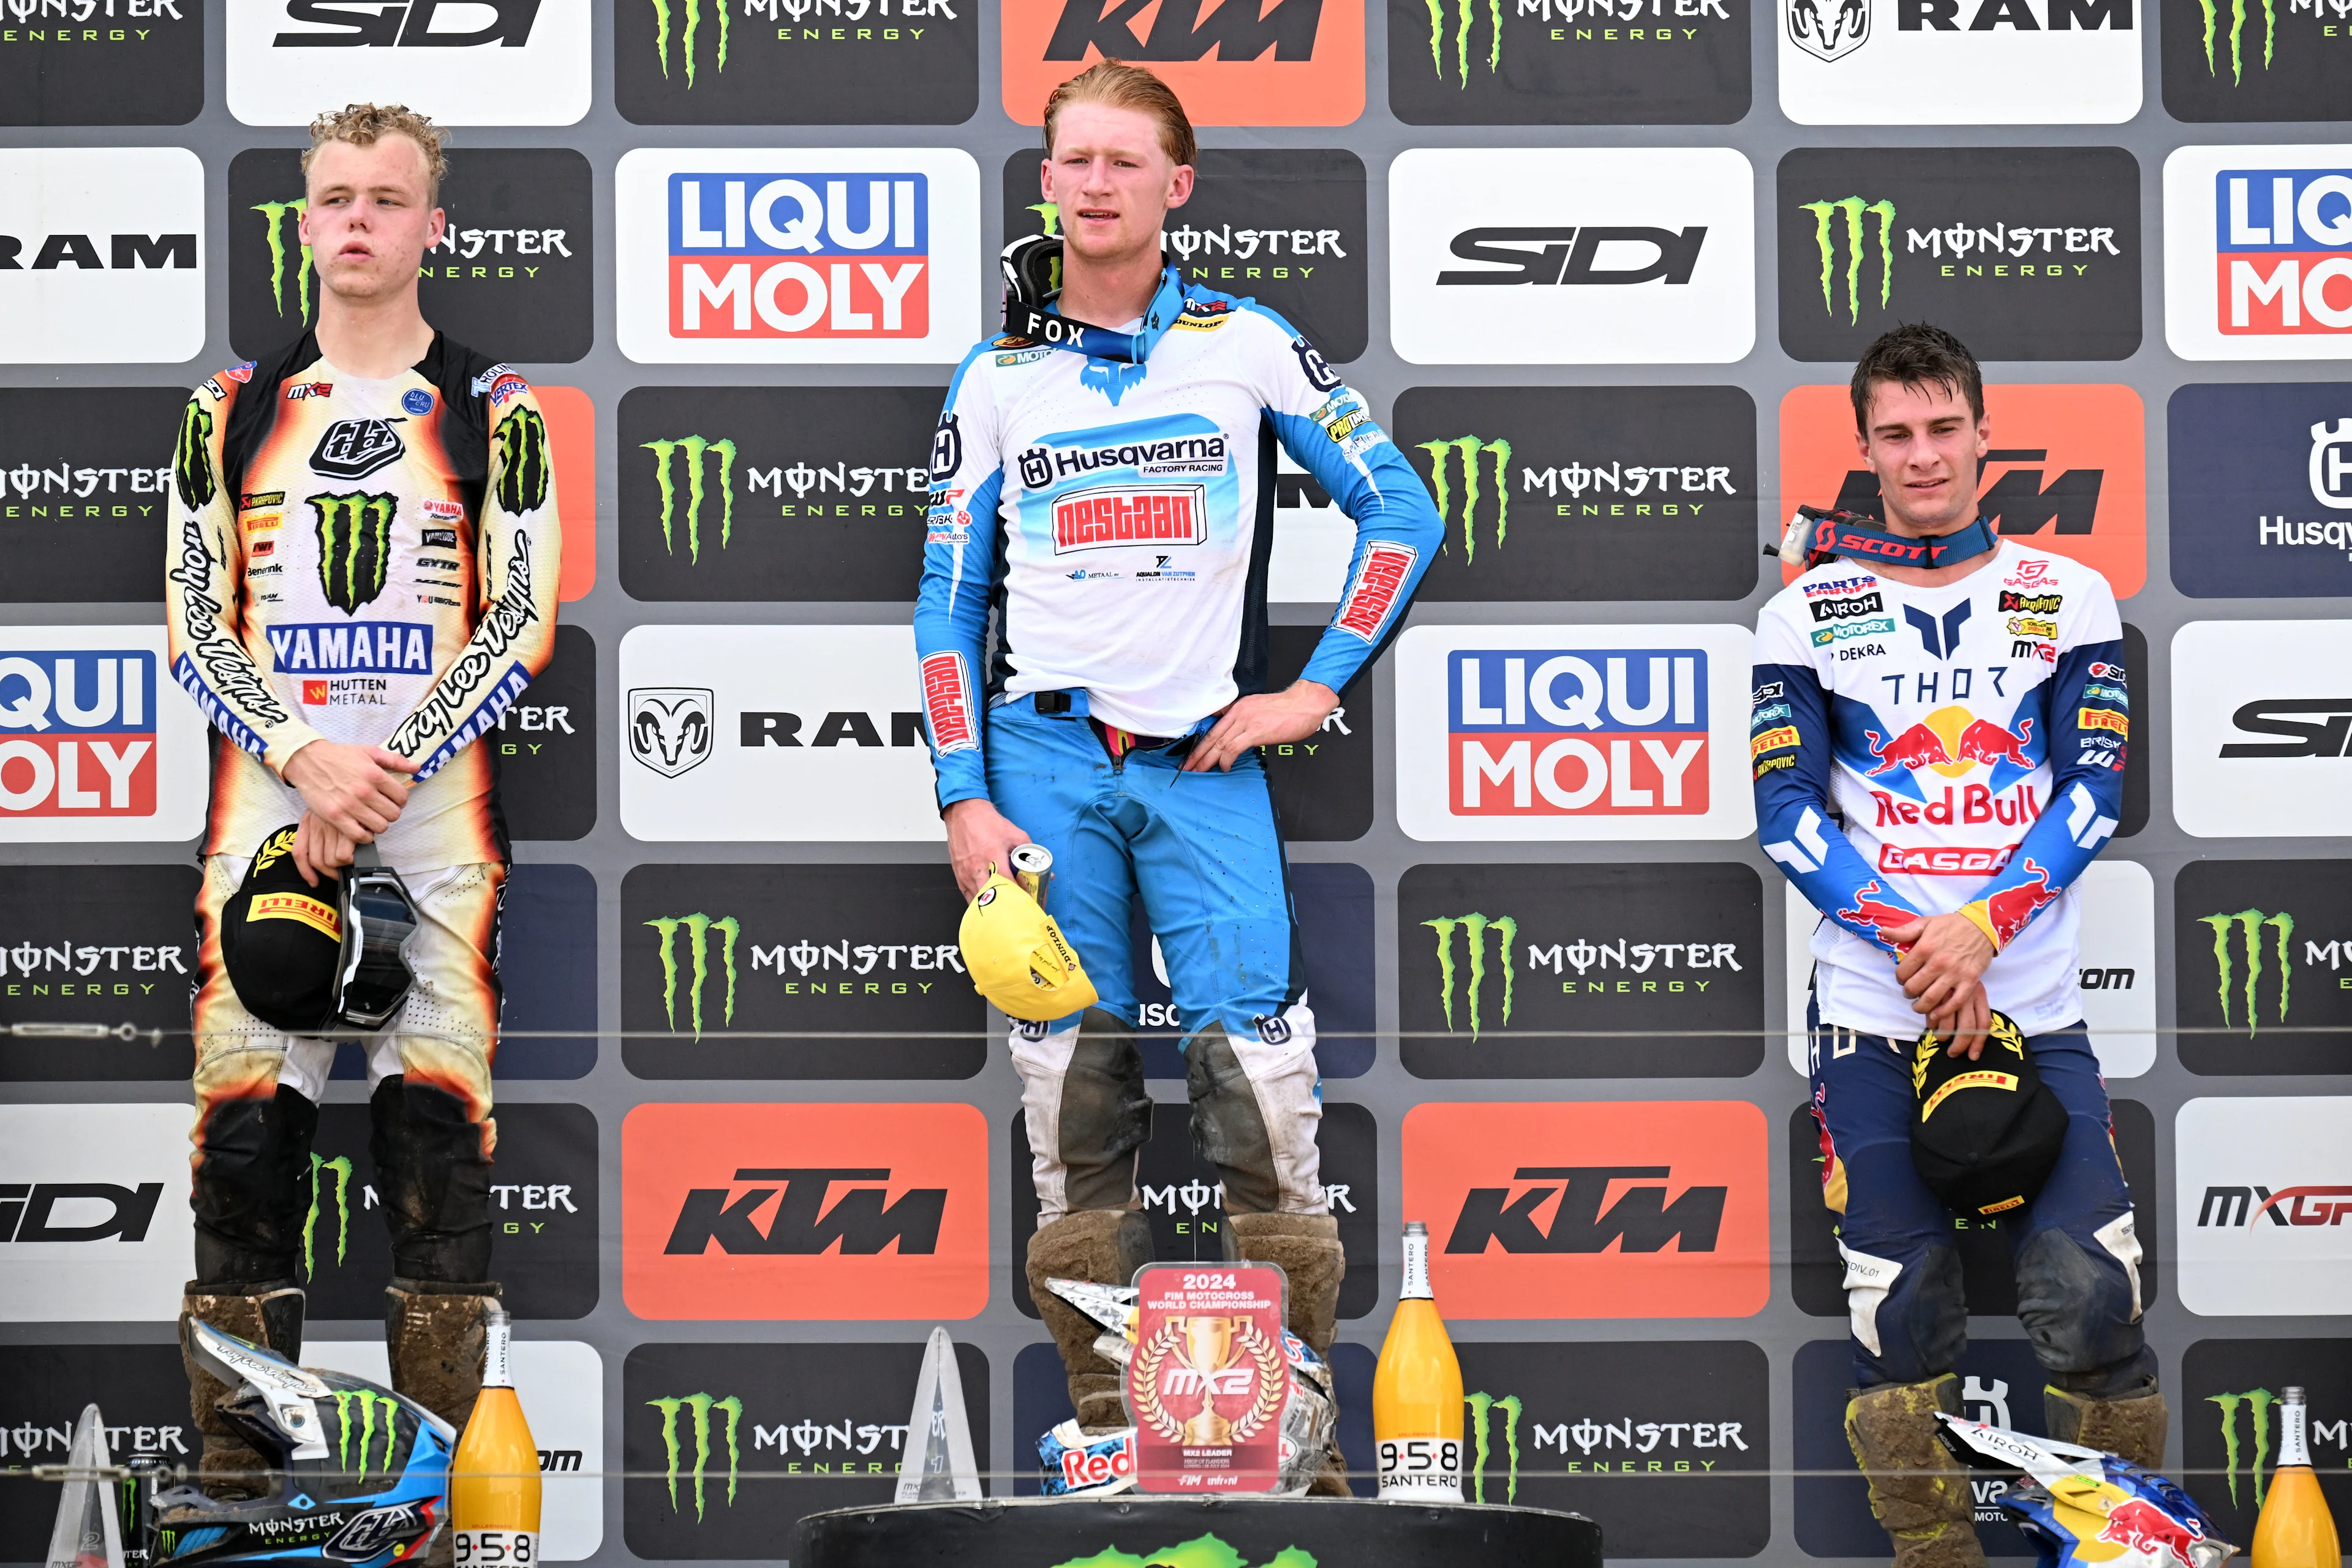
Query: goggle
x,y
374,976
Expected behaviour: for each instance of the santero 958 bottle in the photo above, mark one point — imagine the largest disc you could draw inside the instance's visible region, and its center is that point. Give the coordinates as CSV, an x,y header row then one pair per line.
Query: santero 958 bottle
x,y
1417,1391
493,1480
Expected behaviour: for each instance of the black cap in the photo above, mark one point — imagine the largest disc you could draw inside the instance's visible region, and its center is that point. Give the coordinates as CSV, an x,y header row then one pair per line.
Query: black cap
x,y
282,942
1989,1130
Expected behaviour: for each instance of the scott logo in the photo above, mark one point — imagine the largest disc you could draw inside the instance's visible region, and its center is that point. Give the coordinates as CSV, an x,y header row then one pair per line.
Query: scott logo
x,y
859,1220
1569,256
1640,1220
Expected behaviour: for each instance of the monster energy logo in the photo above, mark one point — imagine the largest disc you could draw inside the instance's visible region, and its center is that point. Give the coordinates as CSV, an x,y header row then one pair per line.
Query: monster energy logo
x,y
1853,207
367,1402
1481,1406
692,448
2251,922
355,546
697,927
520,443
2238,35
1464,13
342,1166
1473,929
693,27
701,1404
282,218
2258,1403
1472,448
191,464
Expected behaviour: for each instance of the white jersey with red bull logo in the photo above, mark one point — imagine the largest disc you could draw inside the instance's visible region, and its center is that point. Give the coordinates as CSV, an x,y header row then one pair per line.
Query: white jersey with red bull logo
x,y
1928,751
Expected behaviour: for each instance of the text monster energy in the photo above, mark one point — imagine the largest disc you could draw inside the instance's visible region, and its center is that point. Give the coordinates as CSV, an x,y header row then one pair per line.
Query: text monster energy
x,y
285,218
1465,11
367,1405
2238,35
697,927
1473,450
1483,1405
2251,923
693,27
342,1167
701,1405
355,546
693,449
520,445
1473,929
2258,1403
191,464
1853,207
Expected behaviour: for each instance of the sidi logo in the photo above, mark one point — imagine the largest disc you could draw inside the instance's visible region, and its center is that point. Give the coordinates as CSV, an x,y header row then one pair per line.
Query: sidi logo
x,y
418,25
799,255
2283,260
78,732
1546,731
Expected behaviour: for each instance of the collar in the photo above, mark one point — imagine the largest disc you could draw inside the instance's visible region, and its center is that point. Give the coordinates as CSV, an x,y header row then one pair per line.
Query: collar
x,y
1823,536
1040,323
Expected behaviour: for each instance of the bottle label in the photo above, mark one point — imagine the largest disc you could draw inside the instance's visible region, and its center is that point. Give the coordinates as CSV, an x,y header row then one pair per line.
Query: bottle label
x,y
498,1366
496,1548
2295,1443
1416,1269
1420,1469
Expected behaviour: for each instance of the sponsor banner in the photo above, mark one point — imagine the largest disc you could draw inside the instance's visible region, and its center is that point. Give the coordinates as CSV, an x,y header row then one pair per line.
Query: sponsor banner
x,y
2275,60
1572,256
2264,1198
1486,952
2000,1383
1592,1209
1322,785
779,1211
1312,269
774,492
2116,965
2027,253
543,1213
726,1446
798,255
2263,945
82,498
2231,1428
1185,1198
546,745
718,961
562,1385
1974,62
1332,903
773,733
140,1389
494,62
2261,491
73,290
70,65
798,62
514,275
1566,63
95,744
97,945
1290,62
2257,252
2067,471
93,1208
1586,492
1817,1272
1573,733
2259,730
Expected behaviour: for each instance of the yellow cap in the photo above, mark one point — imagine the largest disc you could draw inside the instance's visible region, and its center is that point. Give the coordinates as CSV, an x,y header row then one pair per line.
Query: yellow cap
x,y
1018,958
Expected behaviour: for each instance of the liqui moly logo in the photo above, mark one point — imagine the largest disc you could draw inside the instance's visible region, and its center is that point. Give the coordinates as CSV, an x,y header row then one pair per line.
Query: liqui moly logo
x,y
799,255
78,732
1583,732
2284,257
1131,514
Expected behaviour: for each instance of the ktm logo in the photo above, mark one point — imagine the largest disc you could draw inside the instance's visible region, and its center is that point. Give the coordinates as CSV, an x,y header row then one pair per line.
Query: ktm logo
x,y
1235,30
859,1219
1640,1220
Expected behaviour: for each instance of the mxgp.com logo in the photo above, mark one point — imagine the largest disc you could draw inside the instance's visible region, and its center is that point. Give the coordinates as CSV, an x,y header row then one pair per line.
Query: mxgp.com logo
x,y
1519,722
737,243
78,732
2243,1207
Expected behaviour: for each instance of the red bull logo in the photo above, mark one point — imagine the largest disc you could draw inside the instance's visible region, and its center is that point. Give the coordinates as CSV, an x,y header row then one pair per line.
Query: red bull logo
x,y
1868,909
2012,908
1952,740
2139,1525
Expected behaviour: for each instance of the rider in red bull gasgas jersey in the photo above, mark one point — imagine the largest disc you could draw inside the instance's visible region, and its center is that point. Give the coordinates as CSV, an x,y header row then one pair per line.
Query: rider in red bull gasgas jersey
x,y
1939,753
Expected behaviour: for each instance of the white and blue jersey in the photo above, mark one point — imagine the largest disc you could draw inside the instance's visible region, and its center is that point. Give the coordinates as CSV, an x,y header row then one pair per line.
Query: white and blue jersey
x,y
1109,523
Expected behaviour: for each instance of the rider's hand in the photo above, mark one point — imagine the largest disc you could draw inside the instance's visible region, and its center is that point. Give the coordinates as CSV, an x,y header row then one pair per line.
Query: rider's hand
x,y
1269,718
358,791
318,849
979,838
1943,973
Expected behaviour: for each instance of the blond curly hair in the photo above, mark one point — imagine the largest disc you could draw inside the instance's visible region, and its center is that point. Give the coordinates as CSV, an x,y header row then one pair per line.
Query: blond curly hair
x,y
361,123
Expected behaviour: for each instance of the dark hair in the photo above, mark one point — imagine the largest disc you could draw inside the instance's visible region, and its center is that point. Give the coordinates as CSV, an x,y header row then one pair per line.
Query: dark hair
x,y
1918,356
1123,85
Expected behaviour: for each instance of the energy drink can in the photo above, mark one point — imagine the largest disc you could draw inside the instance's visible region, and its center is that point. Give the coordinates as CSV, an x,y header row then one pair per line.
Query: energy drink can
x,y
1032,867
134,1494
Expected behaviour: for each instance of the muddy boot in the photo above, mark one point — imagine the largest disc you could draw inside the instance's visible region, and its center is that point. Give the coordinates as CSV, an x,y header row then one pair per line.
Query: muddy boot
x,y
2131,1428
433,1338
269,1315
1919,1492
1105,1246
1307,1249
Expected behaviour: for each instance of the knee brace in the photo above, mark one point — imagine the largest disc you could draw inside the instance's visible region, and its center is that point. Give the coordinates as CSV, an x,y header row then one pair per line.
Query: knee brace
x,y
253,1188
1105,1113
1910,1319
1228,1129
2081,1311
435,1181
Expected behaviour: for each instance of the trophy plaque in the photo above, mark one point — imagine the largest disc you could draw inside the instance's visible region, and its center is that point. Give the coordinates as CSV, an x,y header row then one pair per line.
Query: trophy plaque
x,y
1207,1380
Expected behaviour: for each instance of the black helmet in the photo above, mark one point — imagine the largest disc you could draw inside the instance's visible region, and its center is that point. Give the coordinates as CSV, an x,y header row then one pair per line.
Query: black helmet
x,y
360,1476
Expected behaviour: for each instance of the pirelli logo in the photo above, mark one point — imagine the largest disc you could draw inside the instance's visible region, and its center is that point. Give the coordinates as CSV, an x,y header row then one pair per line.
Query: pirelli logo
x,y
1958,1081
1130,514
2102,718
1773,740
947,699
320,918
1379,584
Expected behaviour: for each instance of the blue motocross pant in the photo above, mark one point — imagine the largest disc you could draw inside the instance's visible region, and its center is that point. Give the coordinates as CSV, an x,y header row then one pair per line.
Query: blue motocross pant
x,y
1204,851
2077,1258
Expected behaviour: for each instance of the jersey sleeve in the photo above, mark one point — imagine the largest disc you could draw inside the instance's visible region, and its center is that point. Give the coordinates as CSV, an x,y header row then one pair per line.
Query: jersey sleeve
x,y
2089,732
204,572
1328,430
519,543
961,538
1788,751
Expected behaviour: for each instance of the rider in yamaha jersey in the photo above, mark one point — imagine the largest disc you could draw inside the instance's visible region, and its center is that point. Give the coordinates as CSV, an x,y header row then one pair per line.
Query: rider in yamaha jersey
x,y
1092,631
